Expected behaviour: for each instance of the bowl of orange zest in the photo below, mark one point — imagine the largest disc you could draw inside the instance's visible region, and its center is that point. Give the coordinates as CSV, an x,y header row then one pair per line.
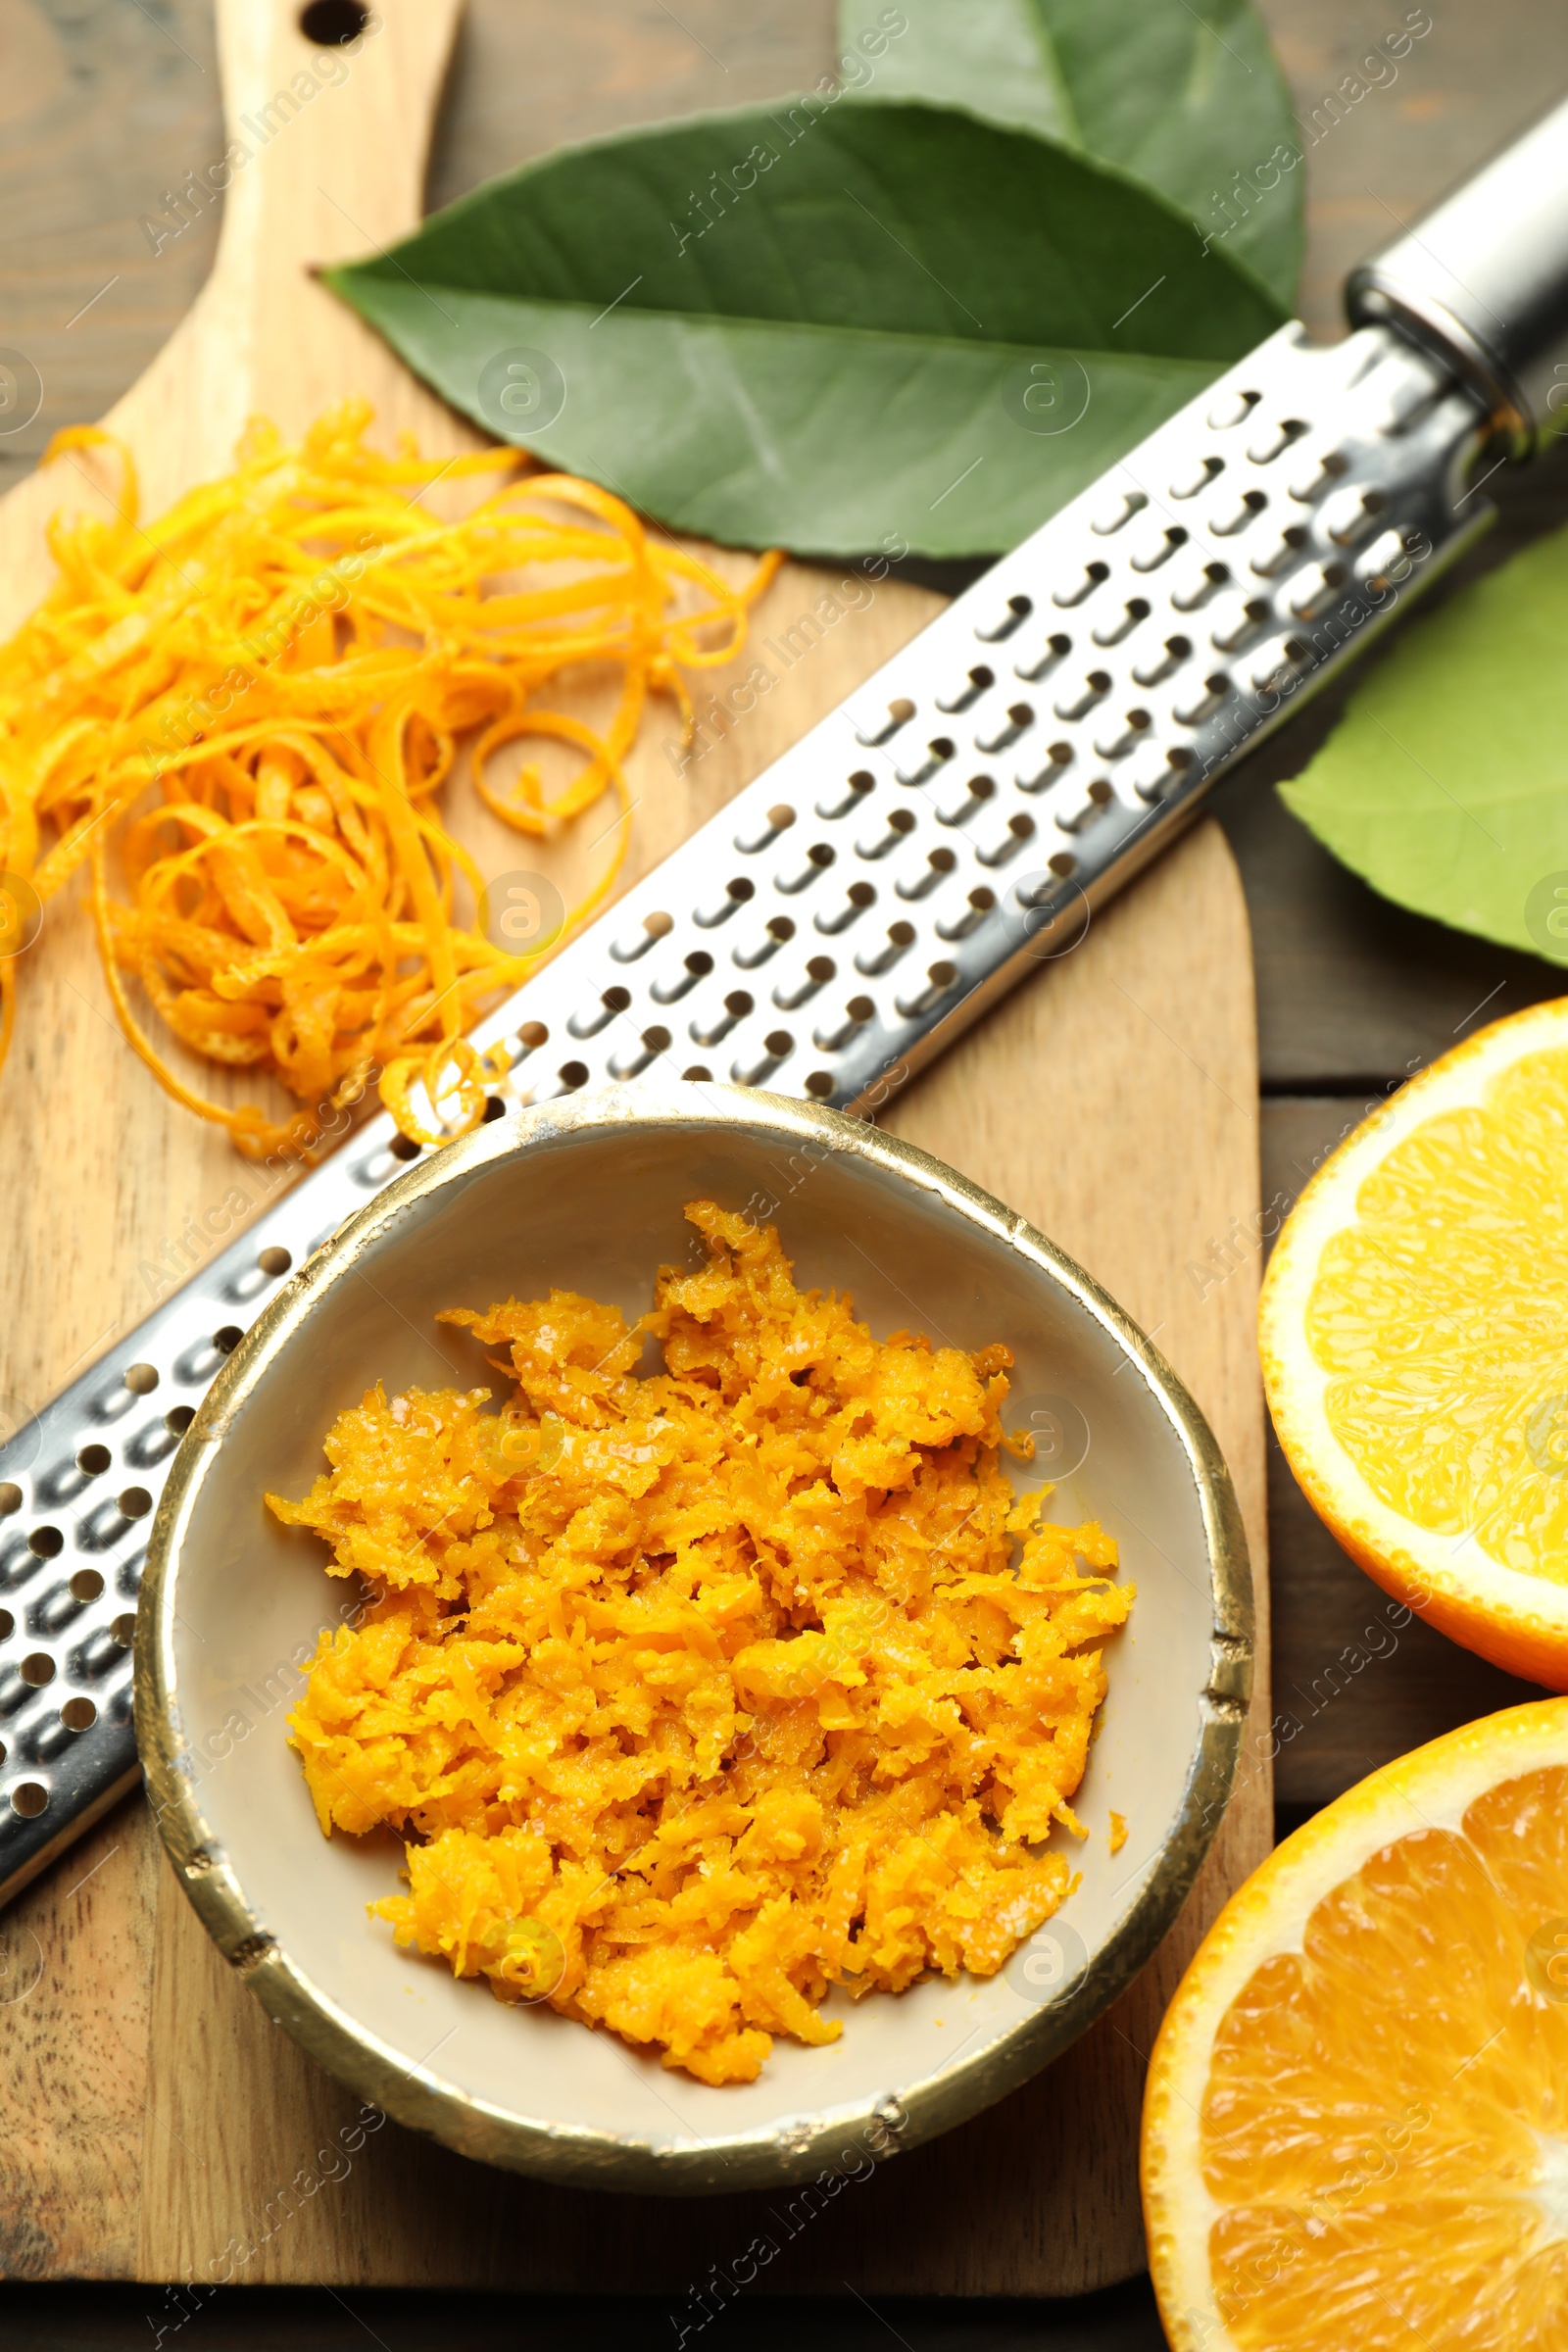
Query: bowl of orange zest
x,y
717,1670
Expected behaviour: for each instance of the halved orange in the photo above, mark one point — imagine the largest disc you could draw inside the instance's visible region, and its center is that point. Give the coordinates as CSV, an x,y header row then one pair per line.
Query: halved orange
x,y
1414,1332
1355,2129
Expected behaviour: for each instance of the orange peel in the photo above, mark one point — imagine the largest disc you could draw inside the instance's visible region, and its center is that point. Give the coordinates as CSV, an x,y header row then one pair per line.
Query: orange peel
x,y
256,702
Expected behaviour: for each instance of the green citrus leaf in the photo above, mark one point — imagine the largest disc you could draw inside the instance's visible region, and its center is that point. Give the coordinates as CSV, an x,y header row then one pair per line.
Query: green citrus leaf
x,y
1185,93
831,326
1445,784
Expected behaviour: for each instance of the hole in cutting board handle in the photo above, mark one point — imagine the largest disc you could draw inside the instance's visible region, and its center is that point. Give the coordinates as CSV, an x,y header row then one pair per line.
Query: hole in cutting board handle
x,y
333,23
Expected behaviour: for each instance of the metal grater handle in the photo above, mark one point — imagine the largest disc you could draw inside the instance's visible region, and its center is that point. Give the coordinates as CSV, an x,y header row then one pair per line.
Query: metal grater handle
x,y
1483,283
863,901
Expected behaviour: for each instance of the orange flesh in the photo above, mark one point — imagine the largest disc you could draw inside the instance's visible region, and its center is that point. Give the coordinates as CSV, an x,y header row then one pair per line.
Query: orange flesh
x,y
1442,1317
1386,2122
698,1694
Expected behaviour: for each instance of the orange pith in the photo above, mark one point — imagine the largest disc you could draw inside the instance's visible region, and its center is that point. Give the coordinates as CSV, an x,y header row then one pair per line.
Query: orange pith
x,y
1441,1318
1386,2127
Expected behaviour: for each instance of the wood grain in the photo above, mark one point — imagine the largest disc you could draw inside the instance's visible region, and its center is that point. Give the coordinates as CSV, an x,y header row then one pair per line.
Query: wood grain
x,y
159,2121
1039,2196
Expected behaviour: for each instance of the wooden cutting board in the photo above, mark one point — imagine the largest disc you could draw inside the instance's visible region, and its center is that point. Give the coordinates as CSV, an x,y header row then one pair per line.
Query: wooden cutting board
x,y
154,2121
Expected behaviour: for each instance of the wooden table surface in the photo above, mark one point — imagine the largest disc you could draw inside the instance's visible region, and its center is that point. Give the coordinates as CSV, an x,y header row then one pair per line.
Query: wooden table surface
x,y
104,105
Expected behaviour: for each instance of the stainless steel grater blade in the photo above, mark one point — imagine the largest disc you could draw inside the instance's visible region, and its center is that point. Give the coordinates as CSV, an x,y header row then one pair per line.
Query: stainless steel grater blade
x,y
916,853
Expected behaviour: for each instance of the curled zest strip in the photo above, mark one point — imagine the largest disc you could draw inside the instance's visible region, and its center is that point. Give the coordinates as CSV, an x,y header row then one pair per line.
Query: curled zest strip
x,y
251,706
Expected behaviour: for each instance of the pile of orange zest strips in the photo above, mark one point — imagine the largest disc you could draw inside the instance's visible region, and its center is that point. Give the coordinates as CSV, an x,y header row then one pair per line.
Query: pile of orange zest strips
x,y
289,659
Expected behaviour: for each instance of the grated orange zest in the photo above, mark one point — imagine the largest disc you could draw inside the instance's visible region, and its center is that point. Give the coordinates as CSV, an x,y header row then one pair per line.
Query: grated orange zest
x,y
697,1694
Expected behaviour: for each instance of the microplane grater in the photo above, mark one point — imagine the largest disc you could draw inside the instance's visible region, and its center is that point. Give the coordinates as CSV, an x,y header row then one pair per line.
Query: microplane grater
x,y
878,887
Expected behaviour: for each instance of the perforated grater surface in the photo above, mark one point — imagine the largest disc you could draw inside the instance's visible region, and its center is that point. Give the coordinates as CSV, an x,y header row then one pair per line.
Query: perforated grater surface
x,y
871,893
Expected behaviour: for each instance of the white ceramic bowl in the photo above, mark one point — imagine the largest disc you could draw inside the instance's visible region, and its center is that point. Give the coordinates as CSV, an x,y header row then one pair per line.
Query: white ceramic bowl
x,y
587,1192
